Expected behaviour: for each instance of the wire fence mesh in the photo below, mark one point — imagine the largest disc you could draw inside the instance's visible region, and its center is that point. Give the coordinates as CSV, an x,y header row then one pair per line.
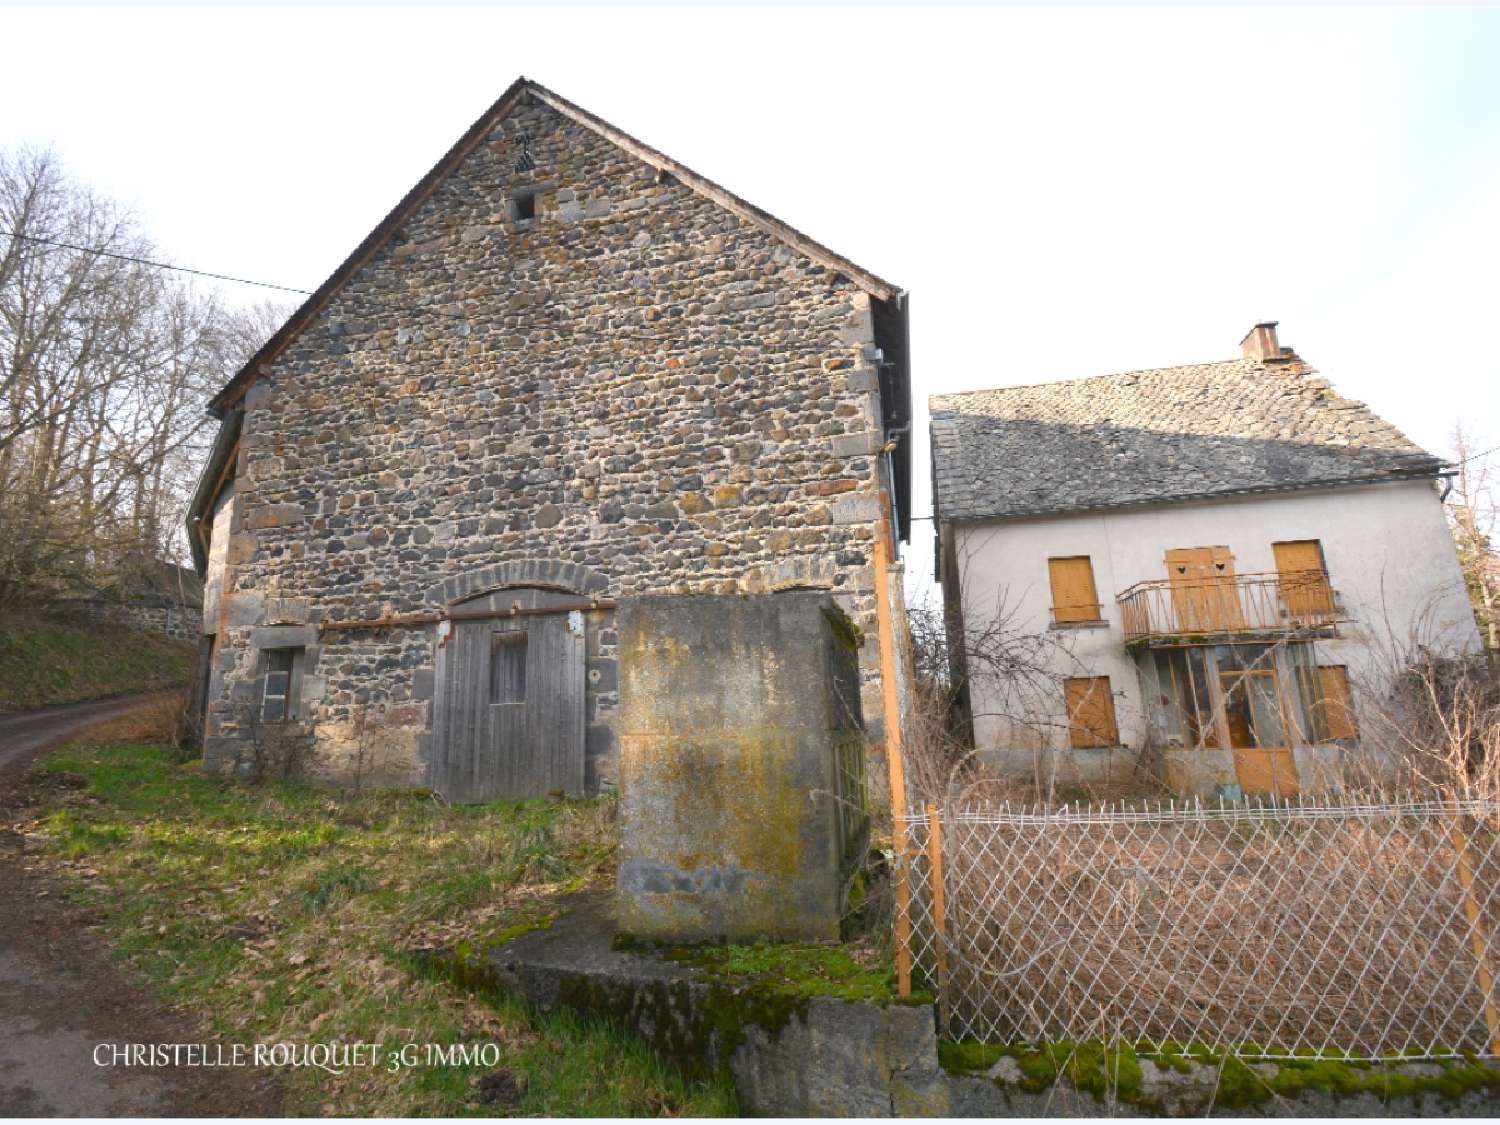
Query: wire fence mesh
x,y
1260,929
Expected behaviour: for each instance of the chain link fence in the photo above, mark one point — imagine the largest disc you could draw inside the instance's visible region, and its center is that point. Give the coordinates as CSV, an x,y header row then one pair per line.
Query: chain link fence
x,y
1365,930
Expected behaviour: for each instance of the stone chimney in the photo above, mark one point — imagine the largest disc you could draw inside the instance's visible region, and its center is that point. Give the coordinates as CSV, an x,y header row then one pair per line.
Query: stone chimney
x,y
1260,342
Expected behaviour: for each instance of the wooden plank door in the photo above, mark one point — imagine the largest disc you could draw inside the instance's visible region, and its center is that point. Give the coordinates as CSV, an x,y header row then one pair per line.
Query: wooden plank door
x,y
547,756
1205,597
511,718
1303,578
458,721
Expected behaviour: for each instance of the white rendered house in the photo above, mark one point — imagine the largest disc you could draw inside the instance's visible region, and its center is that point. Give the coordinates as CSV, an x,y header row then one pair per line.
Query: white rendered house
x,y
1210,571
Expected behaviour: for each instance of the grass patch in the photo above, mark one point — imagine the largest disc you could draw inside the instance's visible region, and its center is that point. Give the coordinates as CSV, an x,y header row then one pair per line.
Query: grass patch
x,y
40,667
286,913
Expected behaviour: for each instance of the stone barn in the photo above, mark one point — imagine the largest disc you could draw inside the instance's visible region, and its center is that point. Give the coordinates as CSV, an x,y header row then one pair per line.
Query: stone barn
x,y
565,369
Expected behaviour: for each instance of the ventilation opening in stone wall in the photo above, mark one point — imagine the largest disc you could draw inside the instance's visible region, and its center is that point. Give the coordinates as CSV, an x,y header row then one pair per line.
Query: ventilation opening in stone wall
x,y
523,207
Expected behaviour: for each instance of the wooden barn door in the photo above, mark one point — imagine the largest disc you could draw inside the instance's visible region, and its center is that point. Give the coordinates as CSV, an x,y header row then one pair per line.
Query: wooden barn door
x,y
510,709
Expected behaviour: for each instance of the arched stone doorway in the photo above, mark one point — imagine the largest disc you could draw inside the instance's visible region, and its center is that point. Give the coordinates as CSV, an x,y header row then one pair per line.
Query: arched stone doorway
x,y
510,691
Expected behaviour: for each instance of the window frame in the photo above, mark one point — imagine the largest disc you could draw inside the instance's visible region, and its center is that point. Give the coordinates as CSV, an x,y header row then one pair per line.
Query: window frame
x,y
1094,608
291,700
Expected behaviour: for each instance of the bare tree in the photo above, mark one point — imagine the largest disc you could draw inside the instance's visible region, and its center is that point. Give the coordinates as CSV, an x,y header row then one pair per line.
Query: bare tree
x,y
105,364
1472,518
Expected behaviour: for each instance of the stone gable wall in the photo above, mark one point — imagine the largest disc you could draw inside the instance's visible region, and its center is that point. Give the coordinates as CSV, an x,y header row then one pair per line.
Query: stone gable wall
x,y
635,381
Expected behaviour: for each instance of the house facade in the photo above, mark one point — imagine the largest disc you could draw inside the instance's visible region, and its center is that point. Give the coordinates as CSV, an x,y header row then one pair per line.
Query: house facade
x,y
565,369
1211,573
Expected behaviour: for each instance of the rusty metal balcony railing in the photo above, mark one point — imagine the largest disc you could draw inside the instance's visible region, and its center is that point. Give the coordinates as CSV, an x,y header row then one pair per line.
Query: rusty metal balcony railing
x,y
1168,611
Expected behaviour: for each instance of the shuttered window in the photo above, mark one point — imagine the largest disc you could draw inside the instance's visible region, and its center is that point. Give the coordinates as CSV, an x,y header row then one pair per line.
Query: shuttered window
x,y
1091,713
1304,580
1073,596
1337,705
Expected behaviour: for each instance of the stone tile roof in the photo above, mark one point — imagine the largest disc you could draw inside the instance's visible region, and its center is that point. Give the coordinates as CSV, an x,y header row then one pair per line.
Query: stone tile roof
x,y
1173,433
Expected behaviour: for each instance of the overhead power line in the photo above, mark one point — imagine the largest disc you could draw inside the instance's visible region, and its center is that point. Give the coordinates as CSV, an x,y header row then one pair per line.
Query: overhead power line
x,y
154,265
1476,456
614,333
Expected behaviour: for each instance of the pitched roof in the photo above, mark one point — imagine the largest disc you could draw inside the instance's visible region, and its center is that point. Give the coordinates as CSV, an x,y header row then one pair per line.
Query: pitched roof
x,y
1173,433
435,177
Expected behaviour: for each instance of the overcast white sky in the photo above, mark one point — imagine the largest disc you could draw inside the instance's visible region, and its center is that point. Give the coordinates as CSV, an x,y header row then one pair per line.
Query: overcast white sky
x,y
1064,192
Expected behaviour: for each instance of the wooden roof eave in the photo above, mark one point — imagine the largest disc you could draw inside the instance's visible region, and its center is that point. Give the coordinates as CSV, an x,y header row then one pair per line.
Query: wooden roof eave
x,y
216,471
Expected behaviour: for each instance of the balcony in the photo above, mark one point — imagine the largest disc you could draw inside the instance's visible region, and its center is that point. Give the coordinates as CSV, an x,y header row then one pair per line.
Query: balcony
x,y
1199,610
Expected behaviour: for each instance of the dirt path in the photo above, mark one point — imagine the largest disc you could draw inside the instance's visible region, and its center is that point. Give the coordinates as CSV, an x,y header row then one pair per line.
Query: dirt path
x,y
61,996
25,735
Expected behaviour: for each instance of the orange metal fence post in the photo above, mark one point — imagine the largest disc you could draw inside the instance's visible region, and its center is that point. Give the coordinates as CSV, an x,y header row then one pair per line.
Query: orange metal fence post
x,y
939,910
891,707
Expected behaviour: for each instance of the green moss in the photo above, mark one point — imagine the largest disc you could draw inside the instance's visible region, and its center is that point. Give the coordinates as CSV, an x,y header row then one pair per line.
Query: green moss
x,y
467,964
1039,1066
1107,1071
518,929
844,630
799,970
966,1058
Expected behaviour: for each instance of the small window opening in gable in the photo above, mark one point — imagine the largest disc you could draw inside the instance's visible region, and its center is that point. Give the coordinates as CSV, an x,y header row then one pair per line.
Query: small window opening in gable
x,y
523,207
279,696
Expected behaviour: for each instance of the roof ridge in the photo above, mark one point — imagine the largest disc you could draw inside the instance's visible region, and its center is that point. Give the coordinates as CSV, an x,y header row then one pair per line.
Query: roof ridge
x,y
1100,378
454,158
1158,435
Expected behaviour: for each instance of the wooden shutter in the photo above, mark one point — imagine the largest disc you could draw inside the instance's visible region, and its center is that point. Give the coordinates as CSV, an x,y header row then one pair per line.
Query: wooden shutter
x,y
1091,713
1073,595
1303,579
1337,703
1205,595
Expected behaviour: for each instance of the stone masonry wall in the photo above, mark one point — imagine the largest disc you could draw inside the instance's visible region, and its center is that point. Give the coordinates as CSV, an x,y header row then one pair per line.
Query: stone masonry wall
x,y
181,623
635,383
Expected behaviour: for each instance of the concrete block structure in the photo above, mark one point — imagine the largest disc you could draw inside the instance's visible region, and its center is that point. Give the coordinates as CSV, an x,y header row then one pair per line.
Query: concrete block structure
x,y
742,803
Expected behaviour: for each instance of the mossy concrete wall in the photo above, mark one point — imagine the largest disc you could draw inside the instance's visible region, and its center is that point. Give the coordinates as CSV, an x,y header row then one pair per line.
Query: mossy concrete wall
x,y
1086,1080
798,1045
790,1053
734,800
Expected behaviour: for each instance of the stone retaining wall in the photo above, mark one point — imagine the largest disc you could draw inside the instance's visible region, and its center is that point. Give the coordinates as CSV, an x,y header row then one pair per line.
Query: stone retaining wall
x,y
822,1056
181,623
